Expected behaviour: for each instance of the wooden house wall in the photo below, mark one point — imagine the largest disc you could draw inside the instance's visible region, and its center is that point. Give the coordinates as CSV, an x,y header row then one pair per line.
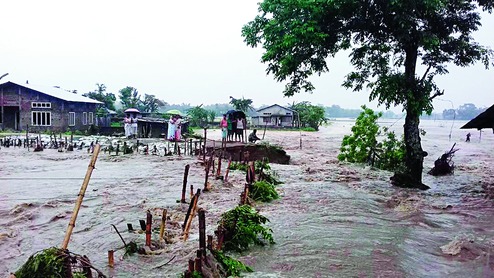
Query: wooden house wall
x,y
15,98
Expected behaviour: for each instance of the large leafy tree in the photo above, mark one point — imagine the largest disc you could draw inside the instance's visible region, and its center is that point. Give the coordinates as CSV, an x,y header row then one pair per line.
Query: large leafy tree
x,y
198,116
387,40
309,115
243,104
100,94
130,98
151,103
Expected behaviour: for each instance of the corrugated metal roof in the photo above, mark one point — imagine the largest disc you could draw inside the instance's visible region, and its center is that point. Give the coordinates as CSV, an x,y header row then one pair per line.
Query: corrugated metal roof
x,y
55,92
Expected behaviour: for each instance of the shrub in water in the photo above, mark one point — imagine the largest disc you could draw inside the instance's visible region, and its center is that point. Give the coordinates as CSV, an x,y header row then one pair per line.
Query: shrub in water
x,y
263,191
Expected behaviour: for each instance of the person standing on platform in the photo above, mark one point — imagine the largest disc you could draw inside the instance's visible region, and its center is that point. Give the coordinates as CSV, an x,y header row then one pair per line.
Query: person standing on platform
x,y
224,131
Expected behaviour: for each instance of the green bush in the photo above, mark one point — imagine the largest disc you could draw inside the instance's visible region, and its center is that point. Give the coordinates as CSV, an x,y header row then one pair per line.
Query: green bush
x,y
232,267
44,264
263,191
362,145
242,227
238,166
309,129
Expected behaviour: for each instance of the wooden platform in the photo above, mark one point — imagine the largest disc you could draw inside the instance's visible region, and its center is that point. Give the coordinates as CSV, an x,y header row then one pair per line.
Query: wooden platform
x,y
239,151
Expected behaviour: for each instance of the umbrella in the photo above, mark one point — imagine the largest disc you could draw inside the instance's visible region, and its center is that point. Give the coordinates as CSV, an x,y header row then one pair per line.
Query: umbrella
x,y
132,110
174,112
233,114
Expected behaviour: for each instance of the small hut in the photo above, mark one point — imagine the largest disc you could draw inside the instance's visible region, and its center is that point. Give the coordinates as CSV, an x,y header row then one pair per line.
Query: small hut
x,y
483,120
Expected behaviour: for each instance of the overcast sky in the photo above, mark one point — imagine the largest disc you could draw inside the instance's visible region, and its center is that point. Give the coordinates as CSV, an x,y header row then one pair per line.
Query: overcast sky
x,y
181,51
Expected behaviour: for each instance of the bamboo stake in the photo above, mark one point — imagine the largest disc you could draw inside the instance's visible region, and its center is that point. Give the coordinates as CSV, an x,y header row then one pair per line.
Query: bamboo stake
x,y
228,169
111,259
191,192
218,170
192,214
149,220
184,188
202,230
163,224
78,202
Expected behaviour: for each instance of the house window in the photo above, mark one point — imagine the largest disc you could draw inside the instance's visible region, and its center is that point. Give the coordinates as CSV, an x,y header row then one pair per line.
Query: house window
x,y
266,120
39,118
265,113
90,120
84,118
40,104
71,118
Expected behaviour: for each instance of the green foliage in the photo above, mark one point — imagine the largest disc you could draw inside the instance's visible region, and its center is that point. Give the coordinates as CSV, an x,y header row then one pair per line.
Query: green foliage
x,y
311,116
116,124
390,42
265,173
243,226
131,248
130,98
232,267
238,166
308,129
44,264
100,95
356,148
362,145
241,104
391,152
151,104
78,275
263,191
198,116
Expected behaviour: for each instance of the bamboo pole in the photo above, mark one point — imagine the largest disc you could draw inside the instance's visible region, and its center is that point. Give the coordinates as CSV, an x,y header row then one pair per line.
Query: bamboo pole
x,y
204,153
228,169
111,260
78,202
192,214
149,220
218,170
163,224
184,187
202,230
191,191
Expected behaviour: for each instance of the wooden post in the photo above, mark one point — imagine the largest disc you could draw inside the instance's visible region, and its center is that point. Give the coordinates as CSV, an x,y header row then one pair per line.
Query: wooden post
x,y
111,260
143,224
191,265
118,146
71,137
202,230
218,171
190,149
149,219
198,265
204,154
191,213
184,186
27,137
163,224
228,169
129,227
210,242
206,186
221,237
191,191
78,202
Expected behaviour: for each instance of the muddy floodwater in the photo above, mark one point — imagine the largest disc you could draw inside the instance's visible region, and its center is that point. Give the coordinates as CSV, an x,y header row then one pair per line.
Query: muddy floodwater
x,y
333,219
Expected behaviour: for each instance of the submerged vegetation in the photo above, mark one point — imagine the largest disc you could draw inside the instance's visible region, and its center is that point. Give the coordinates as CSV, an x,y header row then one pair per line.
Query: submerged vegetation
x,y
263,191
362,146
46,263
231,266
243,226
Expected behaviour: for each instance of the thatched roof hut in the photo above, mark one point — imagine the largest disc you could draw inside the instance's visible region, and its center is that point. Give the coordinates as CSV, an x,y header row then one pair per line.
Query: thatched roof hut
x,y
483,120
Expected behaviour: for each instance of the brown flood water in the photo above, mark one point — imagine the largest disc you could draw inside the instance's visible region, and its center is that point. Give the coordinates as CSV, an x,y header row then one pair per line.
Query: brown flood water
x,y
332,220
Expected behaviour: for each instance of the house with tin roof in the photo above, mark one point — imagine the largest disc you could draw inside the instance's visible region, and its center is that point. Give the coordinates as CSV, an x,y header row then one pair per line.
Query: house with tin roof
x,y
44,108
274,116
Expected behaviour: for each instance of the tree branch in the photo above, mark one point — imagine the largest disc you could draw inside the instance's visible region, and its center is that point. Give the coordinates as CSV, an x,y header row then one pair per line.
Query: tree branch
x,y
438,93
425,74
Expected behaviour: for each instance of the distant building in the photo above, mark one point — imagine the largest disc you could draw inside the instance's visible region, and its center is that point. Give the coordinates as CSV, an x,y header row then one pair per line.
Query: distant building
x,y
274,116
44,108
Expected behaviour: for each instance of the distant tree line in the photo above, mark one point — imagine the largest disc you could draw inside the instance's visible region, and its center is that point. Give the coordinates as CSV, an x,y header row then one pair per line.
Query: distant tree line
x,y
466,111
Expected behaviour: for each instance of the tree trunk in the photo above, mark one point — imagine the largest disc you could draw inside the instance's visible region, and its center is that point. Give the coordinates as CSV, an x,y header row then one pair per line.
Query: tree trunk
x,y
414,157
